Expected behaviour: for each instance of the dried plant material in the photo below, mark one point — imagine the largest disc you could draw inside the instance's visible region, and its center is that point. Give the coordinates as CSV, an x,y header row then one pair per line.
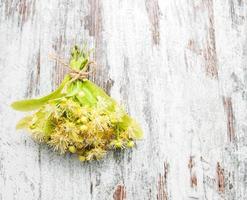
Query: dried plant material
x,y
79,117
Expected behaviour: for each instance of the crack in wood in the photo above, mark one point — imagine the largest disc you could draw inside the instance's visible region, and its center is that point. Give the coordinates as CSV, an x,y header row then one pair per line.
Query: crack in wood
x,y
153,10
193,177
220,178
162,184
91,188
227,102
209,52
24,11
120,193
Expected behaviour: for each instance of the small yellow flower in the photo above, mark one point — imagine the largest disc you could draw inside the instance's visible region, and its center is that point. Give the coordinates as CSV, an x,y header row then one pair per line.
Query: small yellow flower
x,y
82,158
83,128
72,149
117,144
130,144
83,119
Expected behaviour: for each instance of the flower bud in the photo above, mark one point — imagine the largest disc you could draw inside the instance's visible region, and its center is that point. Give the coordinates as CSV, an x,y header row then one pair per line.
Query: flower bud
x,y
72,149
130,144
118,144
82,158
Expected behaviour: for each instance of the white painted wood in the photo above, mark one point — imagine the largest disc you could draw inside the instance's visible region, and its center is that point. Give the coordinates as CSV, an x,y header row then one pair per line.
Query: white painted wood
x,y
177,65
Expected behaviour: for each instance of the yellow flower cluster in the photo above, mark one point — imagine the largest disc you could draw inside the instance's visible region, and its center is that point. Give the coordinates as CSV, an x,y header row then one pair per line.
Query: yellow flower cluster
x,y
87,131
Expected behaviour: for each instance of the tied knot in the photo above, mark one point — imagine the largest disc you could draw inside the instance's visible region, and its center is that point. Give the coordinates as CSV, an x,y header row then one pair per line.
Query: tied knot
x,y
74,73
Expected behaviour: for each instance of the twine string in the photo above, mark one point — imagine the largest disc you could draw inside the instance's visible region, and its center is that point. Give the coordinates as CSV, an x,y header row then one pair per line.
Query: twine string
x,y
74,73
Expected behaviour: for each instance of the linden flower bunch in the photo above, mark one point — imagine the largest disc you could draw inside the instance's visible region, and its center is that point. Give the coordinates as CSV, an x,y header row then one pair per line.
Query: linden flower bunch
x,y
79,117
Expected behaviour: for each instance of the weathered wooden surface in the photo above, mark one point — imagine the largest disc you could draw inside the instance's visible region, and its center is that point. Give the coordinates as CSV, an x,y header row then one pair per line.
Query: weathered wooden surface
x,y
179,67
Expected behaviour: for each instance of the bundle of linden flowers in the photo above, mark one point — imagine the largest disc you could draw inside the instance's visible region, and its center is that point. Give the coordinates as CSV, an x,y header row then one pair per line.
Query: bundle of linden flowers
x,y
79,117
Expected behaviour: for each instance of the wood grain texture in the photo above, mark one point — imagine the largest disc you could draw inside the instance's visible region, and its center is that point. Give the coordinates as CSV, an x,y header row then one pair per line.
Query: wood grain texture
x,y
178,66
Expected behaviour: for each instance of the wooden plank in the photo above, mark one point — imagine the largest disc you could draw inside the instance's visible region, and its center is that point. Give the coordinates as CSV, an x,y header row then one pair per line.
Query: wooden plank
x,y
177,66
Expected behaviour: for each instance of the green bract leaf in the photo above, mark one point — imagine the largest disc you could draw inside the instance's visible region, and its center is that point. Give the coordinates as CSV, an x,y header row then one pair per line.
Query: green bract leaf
x,y
33,104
